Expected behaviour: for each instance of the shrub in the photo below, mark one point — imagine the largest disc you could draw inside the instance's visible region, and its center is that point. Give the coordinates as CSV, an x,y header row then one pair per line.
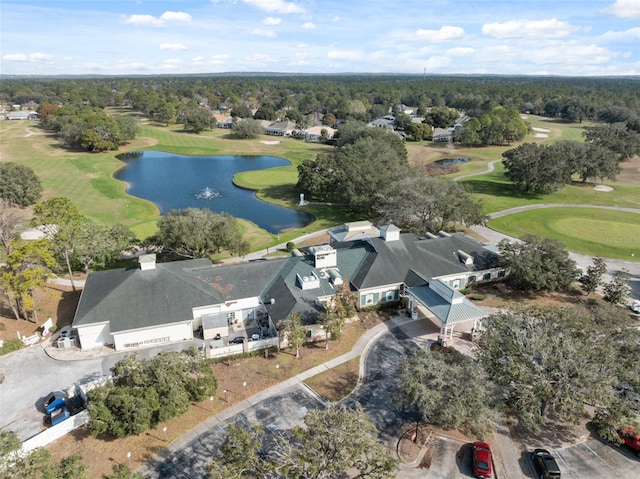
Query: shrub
x,y
11,346
290,246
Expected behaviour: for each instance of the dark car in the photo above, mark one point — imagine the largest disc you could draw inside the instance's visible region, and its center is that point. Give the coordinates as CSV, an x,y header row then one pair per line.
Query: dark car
x,y
546,464
482,460
237,340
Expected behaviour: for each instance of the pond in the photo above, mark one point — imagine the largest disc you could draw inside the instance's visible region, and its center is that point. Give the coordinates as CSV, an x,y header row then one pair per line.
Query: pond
x,y
447,162
173,181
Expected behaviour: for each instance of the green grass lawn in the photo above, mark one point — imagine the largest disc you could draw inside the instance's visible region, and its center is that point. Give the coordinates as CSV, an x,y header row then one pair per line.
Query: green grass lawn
x,y
87,179
595,232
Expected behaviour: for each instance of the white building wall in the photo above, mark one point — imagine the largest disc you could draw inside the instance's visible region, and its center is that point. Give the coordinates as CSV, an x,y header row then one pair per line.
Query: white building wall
x,y
153,336
381,294
244,308
94,335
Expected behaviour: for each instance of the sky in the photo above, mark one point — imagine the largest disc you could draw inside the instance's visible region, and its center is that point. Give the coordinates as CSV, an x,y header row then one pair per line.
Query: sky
x,y
141,37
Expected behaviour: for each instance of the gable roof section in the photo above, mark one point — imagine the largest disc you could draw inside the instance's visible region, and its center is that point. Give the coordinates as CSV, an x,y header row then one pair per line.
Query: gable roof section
x,y
456,311
427,258
132,299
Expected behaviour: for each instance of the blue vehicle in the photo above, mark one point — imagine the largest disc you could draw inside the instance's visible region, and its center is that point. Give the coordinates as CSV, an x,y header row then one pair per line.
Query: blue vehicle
x,y
59,415
54,400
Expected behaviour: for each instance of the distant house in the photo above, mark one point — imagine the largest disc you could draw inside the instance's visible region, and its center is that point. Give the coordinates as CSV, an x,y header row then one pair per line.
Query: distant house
x,y
223,121
167,302
314,133
22,115
282,128
441,135
387,122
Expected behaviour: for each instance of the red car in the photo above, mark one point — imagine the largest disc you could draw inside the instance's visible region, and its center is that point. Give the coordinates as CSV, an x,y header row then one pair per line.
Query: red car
x,y
482,460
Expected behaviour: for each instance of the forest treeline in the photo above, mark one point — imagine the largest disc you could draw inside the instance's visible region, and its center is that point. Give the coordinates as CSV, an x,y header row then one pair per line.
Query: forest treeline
x,y
360,97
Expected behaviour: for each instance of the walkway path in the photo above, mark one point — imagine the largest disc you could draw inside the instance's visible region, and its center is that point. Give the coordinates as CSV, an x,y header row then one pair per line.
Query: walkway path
x,y
359,349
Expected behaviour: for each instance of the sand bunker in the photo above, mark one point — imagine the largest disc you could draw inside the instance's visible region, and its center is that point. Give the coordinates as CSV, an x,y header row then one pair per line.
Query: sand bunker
x,y
541,135
543,130
270,142
602,188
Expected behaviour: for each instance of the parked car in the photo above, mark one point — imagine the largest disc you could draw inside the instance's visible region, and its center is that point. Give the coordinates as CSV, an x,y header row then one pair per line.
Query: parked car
x,y
53,401
546,464
635,306
237,340
631,438
482,461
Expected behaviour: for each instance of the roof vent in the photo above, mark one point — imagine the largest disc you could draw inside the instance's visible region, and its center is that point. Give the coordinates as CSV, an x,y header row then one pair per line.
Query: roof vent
x,y
466,258
429,235
147,261
444,234
308,282
335,276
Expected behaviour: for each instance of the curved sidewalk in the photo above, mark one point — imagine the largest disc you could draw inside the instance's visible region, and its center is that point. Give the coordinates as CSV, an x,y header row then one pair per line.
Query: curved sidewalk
x,y
359,349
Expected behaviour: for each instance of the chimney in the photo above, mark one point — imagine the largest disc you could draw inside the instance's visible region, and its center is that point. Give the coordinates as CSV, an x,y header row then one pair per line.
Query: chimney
x,y
147,261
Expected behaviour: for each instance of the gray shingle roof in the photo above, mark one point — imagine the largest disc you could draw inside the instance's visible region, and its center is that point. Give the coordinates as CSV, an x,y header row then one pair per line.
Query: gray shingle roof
x,y
448,313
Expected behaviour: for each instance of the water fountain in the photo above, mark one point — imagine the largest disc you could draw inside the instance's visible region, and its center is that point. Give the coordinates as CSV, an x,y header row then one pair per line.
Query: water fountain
x,y
208,194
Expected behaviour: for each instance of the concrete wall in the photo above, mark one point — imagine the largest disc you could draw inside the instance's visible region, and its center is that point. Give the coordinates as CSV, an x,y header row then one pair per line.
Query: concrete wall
x,y
94,335
56,432
153,336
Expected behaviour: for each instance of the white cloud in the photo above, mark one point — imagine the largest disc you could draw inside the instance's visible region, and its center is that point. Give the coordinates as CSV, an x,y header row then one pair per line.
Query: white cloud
x,y
175,16
15,57
172,61
344,55
308,26
149,20
272,21
173,46
437,62
264,33
279,6
625,9
32,57
446,33
552,28
633,34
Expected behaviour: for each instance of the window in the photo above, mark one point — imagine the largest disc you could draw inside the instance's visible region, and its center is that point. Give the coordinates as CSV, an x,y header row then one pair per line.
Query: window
x,y
471,279
390,296
231,316
486,276
368,299
501,274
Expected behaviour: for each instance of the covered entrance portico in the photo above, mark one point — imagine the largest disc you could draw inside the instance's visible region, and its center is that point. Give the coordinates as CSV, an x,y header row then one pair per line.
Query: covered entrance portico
x,y
449,307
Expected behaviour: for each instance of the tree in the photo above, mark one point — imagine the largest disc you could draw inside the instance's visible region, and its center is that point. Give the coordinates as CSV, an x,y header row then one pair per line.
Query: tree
x,y
549,363
197,120
617,290
366,160
334,442
12,221
122,471
592,279
19,185
536,168
616,137
198,233
419,131
295,332
241,111
441,117
70,467
537,264
265,112
427,203
100,245
147,392
61,220
340,307
447,389
26,269
246,129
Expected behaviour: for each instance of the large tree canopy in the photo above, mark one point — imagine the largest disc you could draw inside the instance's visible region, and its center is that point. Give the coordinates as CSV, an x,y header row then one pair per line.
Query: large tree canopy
x,y
199,233
553,361
537,264
334,442
428,203
447,389
19,185
146,392
365,162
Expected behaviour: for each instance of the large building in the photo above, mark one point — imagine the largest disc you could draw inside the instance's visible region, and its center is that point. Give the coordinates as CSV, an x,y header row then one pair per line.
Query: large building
x,y
165,302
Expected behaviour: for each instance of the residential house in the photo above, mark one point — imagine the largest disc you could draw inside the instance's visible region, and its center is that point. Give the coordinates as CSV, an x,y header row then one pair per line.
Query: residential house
x,y
282,128
442,135
314,133
388,122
